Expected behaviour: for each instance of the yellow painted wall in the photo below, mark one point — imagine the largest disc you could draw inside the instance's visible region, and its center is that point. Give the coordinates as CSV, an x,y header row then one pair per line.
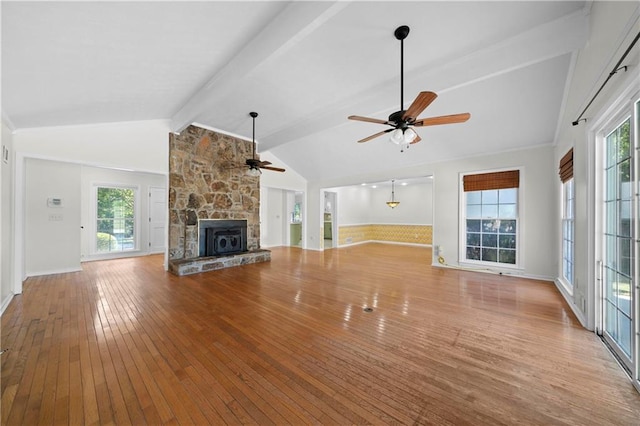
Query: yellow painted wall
x,y
415,234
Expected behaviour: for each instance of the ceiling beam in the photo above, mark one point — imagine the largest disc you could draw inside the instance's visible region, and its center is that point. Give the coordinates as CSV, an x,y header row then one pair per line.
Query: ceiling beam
x,y
290,27
547,41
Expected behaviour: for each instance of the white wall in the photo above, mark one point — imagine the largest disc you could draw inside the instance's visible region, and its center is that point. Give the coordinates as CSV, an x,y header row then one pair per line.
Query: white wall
x,y
273,201
290,179
612,27
354,203
6,220
359,204
415,208
272,217
52,234
90,176
135,145
538,249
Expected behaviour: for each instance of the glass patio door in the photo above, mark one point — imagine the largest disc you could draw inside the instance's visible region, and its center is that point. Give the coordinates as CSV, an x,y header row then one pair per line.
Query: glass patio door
x,y
620,215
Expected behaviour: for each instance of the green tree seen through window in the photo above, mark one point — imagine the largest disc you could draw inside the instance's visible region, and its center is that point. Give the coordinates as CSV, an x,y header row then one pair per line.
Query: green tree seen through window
x,y
116,217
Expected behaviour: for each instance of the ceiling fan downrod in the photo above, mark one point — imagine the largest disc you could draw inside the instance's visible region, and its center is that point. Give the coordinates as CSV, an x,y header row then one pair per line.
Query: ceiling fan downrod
x,y
401,33
253,138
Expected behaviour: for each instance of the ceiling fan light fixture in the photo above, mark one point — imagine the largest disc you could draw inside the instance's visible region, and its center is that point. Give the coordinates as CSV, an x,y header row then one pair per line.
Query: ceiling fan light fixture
x,y
397,137
409,135
253,172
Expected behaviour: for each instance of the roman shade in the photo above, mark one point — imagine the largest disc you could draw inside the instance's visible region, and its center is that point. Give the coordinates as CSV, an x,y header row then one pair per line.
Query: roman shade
x,y
566,166
495,180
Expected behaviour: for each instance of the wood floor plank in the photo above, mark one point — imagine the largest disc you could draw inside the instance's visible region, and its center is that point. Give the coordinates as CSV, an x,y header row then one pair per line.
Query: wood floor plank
x,y
289,342
159,404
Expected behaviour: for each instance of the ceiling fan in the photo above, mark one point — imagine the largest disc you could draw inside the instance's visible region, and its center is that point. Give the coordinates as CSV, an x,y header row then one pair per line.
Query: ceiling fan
x,y
253,163
403,121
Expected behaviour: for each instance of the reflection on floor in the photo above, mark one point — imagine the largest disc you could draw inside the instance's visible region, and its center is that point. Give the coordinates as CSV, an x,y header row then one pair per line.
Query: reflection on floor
x,y
328,243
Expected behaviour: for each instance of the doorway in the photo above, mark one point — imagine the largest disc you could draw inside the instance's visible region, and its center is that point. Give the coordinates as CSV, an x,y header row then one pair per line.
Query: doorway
x,y
157,219
618,301
281,217
294,208
329,218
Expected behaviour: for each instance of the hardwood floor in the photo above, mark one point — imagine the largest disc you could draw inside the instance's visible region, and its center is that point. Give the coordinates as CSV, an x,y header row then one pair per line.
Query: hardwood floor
x,y
289,342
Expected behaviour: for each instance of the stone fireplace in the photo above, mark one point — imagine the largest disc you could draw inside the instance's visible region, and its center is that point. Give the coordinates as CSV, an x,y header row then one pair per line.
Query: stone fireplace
x,y
214,206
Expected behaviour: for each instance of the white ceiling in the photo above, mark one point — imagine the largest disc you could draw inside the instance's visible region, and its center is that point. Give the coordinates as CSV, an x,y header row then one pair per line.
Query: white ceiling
x,y
304,66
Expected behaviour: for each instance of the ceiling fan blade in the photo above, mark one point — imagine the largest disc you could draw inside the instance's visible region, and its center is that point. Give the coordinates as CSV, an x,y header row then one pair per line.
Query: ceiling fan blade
x,y
422,101
264,163
443,119
367,119
417,139
368,138
275,169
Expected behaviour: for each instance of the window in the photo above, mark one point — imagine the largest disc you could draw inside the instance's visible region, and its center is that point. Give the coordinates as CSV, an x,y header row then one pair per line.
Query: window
x,y
115,219
618,250
567,231
565,170
297,213
491,217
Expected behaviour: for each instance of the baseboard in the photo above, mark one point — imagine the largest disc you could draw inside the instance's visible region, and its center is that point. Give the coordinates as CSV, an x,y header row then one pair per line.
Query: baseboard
x,y
353,244
506,273
569,299
400,243
384,242
270,246
115,255
52,272
5,303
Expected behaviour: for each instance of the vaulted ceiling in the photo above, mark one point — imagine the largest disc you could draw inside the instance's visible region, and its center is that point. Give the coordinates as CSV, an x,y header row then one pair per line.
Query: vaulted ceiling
x,y
304,66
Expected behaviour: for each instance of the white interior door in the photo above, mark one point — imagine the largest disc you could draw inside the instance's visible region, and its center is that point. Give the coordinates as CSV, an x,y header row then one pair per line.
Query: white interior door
x,y
157,219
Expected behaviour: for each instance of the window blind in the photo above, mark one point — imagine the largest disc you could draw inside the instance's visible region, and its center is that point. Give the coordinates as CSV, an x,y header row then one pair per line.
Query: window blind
x,y
495,180
566,166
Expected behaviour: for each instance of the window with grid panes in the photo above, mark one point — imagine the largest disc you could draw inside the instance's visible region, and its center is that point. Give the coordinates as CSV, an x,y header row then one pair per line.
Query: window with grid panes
x,y
492,225
567,231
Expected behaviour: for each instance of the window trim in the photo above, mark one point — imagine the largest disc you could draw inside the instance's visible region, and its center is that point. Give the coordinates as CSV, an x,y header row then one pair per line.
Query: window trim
x,y
93,227
462,216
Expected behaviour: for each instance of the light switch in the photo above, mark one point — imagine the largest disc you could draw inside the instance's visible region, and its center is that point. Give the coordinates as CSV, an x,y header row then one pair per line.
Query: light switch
x,y
54,202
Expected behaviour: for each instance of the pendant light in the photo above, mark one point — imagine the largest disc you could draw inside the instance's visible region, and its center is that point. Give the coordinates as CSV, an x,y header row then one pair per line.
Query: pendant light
x,y
393,203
